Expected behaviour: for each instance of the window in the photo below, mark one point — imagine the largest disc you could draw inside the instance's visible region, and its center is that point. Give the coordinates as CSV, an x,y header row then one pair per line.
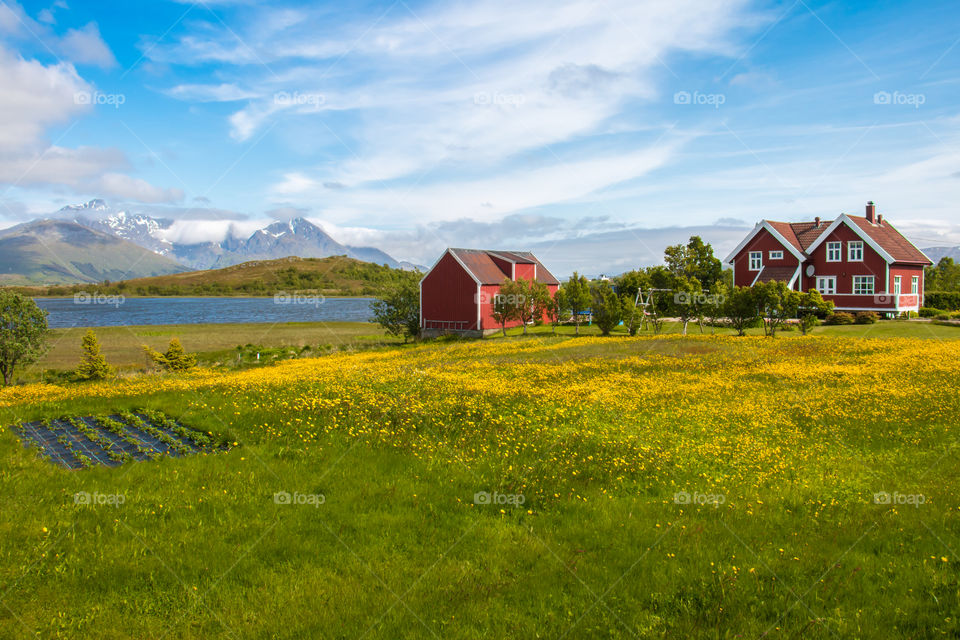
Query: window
x,y
756,260
915,284
776,255
896,285
827,284
833,252
855,251
863,285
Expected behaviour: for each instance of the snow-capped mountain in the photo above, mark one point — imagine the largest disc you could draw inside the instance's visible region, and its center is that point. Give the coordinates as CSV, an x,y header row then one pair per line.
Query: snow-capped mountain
x,y
298,237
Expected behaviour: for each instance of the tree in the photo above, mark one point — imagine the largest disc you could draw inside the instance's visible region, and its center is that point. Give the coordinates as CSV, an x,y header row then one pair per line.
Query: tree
x,y
175,358
504,307
630,313
740,308
528,300
945,276
23,333
775,304
811,307
554,308
694,260
687,300
398,309
576,294
606,308
93,366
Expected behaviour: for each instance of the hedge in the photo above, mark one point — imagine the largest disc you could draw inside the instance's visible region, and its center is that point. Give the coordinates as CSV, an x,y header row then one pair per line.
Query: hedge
x,y
946,300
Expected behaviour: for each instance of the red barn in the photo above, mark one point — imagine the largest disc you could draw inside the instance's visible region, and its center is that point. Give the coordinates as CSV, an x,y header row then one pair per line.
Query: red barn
x,y
456,295
861,263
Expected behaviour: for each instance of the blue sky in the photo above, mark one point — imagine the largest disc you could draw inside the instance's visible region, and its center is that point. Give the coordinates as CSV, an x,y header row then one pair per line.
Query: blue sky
x,y
593,132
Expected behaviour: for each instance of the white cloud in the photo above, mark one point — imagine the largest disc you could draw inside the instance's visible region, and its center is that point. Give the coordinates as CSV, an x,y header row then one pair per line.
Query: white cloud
x,y
122,186
224,92
85,46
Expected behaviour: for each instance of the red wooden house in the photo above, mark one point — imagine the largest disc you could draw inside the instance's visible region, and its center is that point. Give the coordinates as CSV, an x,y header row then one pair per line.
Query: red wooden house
x,y
457,294
861,263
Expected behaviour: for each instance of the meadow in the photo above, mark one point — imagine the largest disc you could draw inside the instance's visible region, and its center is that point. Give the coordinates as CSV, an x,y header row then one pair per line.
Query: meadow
x,y
554,487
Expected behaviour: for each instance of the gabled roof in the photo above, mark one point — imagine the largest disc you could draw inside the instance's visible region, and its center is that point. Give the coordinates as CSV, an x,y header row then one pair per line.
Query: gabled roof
x,y
801,238
480,265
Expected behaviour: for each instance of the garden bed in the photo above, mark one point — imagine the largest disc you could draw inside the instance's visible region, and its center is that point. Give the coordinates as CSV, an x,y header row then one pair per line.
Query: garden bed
x,y
76,442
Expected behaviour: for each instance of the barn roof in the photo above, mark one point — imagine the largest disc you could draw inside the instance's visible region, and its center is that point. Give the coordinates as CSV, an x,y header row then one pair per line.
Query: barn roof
x,y
480,263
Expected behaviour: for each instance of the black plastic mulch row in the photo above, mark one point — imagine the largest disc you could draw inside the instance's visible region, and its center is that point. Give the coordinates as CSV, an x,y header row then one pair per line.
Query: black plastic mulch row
x,y
45,438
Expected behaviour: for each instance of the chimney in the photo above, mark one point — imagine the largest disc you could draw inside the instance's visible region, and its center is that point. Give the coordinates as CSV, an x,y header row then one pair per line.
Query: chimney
x,y
879,218
816,222
871,212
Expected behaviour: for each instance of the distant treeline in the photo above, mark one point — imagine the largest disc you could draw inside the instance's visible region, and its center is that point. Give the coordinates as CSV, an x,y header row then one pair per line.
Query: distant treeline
x,y
345,278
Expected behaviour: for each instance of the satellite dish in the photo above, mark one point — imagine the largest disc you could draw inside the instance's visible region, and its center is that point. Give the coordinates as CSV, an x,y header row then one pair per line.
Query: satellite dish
x,y
810,270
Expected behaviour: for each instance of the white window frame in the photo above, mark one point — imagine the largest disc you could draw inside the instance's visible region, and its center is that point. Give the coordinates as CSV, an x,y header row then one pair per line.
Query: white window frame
x,y
775,255
830,282
834,252
855,251
859,288
897,285
756,260
915,284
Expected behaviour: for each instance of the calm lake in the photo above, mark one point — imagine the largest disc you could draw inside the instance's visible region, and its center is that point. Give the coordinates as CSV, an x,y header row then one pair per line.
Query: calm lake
x,y
114,311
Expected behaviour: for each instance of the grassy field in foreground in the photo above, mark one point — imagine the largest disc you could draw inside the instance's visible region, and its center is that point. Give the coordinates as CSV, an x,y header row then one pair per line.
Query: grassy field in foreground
x,y
544,487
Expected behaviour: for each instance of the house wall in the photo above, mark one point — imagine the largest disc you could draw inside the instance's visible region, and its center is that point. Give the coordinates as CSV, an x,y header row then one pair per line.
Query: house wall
x,y
488,292
448,295
907,272
764,241
873,264
505,265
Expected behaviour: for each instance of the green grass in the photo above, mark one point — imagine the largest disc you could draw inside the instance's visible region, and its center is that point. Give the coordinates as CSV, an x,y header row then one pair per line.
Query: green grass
x,y
216,344
199,549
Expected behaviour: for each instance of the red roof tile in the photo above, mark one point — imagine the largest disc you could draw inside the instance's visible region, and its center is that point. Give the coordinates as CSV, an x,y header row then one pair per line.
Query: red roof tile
x,y
803,234
783,274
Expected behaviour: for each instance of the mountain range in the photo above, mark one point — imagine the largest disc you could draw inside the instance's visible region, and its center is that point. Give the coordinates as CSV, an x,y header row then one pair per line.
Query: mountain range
x,y
90,243
936,253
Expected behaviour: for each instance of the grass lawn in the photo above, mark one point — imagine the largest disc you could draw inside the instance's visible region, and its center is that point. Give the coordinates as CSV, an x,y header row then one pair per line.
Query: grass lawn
x,y
682,487
215,343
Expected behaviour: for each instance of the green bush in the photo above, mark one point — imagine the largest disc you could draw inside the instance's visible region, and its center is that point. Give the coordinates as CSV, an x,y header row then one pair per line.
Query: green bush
x,y
839,317
946,300
866,317
929,312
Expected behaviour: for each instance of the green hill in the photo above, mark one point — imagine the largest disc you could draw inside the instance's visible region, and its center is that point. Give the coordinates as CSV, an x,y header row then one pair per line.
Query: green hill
x,y
52,252
335,275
